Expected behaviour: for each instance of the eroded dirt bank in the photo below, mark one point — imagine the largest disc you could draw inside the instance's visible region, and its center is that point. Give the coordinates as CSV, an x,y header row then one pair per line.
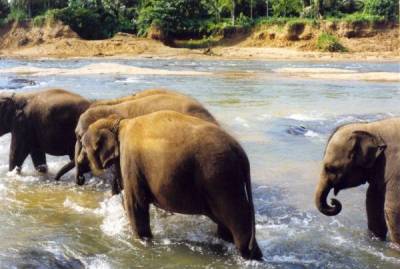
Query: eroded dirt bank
x,y
22,40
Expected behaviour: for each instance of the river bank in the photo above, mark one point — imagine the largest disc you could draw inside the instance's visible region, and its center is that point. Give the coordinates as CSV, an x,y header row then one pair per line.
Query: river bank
x,y
23,40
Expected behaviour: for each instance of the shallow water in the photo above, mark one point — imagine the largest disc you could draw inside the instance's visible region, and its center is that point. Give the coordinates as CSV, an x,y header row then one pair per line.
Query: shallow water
x,y
282,122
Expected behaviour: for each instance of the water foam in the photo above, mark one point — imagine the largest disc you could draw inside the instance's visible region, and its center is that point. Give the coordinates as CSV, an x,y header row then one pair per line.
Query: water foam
x,y
310,133
98,262
242,122
306,117
115,221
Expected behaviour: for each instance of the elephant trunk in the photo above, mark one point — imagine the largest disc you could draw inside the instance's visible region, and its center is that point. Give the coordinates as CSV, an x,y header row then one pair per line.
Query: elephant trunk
x,y
321,195
65,169
79,164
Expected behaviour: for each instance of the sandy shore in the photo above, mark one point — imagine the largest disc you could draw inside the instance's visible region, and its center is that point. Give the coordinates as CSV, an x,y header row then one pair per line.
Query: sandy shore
x,y
341,74
97,69
121,69
216,53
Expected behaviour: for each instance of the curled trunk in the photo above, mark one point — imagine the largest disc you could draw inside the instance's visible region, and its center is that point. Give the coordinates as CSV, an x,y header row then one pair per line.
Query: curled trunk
x,y
321,195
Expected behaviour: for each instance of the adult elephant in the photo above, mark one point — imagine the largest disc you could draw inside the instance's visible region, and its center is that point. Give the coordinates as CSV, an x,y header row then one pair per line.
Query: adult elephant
x,y
163,101
199,169
362,153
40,122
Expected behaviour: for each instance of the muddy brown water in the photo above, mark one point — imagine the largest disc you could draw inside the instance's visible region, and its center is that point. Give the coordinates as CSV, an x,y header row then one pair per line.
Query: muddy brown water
x,y
283,123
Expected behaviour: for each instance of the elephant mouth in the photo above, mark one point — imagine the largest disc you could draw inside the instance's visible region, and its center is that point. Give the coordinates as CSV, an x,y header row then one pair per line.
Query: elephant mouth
x,y
336,191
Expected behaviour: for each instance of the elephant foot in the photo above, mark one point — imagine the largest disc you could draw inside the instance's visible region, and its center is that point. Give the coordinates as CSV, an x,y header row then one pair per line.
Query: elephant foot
x,y
253,254
116,187
41,169
224,233
18,169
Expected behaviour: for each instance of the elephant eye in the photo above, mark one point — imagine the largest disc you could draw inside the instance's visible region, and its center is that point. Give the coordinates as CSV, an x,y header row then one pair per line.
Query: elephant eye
x,y
331,169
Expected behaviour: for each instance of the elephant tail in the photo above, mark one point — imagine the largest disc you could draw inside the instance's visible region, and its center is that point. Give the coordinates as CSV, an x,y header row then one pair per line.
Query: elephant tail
x,y
249,196
66,168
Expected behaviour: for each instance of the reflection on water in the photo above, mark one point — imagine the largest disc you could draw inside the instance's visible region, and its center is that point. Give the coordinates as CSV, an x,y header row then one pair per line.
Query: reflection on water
x,y
283,123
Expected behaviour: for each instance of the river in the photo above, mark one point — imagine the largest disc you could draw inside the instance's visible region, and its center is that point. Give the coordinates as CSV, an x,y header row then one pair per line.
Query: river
x,y
282,120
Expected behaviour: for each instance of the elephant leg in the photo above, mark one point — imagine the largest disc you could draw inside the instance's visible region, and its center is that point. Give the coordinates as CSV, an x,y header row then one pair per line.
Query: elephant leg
x,y
117,185
39,160
139,216
375,212
392,213
19,150
224,233
393,222
232,209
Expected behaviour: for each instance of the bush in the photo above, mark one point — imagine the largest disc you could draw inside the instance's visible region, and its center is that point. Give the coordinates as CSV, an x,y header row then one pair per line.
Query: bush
x,y
88,23
39,21
287,8
178,18
387,8
362,17
328,42
4,9
17,15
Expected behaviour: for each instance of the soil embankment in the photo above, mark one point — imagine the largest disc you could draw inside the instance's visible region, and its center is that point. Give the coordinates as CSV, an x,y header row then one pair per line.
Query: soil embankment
x,y
293,41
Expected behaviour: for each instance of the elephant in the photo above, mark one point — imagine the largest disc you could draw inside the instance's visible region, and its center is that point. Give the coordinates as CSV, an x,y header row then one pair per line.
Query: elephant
x,y
199,170
40,122
360,153
164,101
108,102
44,122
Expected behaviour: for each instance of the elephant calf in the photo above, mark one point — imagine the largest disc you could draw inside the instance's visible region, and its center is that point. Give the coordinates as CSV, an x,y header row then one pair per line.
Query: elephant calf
x,y
362,153
199,169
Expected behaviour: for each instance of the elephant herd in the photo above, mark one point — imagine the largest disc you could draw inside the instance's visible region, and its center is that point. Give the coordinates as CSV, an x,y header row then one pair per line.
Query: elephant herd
x,y
169,151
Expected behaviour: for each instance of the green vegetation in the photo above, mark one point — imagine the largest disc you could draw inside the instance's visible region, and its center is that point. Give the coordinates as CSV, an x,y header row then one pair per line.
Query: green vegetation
x,y
386,8
328,42
185,19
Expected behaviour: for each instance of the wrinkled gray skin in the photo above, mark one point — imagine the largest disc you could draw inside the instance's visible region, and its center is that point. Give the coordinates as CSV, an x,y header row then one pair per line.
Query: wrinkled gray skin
x,y
40,122
362,153
199,170
167,100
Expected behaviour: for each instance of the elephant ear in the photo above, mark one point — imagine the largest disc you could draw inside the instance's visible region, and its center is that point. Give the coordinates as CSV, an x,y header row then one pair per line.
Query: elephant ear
x,y
106,147
366,148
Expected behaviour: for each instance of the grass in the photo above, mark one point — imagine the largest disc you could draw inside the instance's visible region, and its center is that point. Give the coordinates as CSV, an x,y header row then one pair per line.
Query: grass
x,y
328,42
17,15
358,17
205,42
361,17
48,17
39,21
282,21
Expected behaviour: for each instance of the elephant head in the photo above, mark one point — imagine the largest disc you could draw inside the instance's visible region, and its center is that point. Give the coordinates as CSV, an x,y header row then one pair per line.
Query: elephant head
x,y
349,156
99,148
10,109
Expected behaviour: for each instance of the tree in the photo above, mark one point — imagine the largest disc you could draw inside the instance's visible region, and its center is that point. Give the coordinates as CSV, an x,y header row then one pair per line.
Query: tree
x,y
287,8
387,8
4,8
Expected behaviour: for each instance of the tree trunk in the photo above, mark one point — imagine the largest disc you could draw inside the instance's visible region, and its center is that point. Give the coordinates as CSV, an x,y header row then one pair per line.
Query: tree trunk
x,y
233,11
251,9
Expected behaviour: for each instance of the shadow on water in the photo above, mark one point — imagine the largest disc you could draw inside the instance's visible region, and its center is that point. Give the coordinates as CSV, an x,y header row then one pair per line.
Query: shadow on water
x,y
324,127
40,259
17,83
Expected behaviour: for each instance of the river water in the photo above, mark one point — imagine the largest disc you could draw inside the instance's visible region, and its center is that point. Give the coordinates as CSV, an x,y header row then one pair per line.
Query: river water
x,y
282,121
